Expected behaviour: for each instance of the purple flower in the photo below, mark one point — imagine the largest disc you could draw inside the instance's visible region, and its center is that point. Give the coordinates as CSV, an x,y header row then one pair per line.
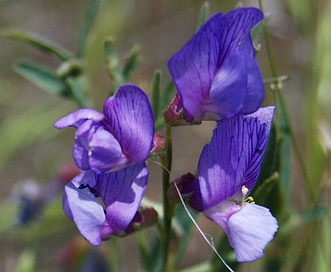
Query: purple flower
x,y
228,169
120,192
215,73
123,135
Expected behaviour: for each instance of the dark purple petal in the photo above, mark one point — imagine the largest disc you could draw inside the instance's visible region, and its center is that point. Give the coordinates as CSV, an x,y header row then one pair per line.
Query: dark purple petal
x,y
194,67
255,87
233,157
86,211
130,116
228,91
235,31
78,117
264,117
250,230
122,192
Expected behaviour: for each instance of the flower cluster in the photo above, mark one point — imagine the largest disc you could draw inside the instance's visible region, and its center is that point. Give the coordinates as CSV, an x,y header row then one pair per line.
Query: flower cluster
x,y
218,79
112,149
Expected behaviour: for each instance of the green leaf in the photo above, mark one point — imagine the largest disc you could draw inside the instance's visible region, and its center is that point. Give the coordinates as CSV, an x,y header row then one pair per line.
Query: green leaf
x,y
186,226
131,63
256,33
43,77
113,64
201,267
76,93
204,10
285,166
37,41
86,28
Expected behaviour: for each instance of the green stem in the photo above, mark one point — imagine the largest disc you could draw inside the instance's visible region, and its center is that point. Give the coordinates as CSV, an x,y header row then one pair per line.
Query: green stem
x,y
285,124
167,207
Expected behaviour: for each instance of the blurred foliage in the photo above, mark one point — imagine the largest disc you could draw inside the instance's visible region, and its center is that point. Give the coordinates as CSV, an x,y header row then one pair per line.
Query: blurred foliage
x,y
295,180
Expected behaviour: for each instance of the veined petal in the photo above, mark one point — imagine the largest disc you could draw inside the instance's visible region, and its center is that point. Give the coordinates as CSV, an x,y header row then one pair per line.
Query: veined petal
x,y
193,68
228,91
122,192
86,211
78,117
233,157
264,120
236,28
130,116
250,230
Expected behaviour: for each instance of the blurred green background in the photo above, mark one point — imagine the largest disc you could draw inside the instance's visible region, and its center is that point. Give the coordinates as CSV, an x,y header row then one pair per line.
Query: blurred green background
x,y
30,148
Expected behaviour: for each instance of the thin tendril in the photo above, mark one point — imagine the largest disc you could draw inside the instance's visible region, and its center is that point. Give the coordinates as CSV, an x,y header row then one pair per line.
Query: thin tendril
x,y
211,244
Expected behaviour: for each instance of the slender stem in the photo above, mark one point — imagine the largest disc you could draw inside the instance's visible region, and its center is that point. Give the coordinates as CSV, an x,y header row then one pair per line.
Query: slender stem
x,y
278,96
167,207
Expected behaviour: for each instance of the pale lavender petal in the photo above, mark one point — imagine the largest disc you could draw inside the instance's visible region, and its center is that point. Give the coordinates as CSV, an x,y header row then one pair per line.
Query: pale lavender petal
x,y
130,116
86,211
221,213
78,117
122,192
250,230
255,87
228,91
233,157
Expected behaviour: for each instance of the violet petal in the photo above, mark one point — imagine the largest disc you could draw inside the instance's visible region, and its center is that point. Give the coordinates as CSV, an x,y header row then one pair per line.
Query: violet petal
x,y
122,192
255,87
193,68
228,91
233,157
129,114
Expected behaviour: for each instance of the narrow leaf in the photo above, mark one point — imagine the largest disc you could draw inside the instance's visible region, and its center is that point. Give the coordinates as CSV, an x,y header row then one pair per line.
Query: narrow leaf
x,y
76,93
131,63
41,76
113,64
86,28
37,41
186,226
204,10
